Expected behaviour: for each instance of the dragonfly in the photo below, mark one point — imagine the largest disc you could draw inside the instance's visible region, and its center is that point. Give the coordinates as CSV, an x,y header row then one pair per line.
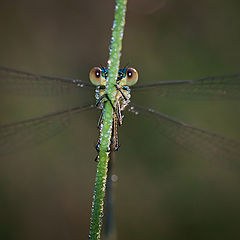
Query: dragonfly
x,y
197,140
207,143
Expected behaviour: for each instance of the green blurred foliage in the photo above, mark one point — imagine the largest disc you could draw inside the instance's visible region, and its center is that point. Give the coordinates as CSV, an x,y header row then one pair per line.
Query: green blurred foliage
x,y
163,192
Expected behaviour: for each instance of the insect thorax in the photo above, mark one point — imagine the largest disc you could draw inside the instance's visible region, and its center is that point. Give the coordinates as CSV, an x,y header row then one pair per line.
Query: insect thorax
x,y
122,96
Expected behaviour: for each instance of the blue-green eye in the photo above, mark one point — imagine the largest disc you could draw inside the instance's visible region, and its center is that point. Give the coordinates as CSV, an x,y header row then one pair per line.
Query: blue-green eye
x,y
131,76
95,76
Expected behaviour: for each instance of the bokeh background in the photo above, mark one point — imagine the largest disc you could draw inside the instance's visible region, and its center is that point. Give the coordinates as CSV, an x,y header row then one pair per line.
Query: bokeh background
x,y
162,192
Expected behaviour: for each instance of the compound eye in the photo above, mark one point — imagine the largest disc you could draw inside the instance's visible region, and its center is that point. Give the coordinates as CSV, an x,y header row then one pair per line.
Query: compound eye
x,y
131,76
95,75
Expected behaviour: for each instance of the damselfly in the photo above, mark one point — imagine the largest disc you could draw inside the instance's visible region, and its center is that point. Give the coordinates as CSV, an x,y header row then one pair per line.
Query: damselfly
x,y
203,142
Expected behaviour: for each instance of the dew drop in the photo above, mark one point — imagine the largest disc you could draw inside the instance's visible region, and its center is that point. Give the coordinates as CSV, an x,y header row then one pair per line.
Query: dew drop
x,y
80,85
114,178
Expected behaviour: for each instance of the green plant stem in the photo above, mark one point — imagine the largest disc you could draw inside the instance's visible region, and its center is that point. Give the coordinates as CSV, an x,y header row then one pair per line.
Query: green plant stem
x,y
106,129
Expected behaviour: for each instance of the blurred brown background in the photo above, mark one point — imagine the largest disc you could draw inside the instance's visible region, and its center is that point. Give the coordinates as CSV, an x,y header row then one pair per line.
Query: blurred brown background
x,y
46,190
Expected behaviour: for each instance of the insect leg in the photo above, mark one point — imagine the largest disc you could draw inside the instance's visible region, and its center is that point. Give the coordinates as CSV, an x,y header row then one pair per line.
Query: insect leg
x,y
125,98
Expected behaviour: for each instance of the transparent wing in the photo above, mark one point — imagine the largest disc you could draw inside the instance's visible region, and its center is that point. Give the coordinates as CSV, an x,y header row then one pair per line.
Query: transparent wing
x,y
29,132
216,87
209,145
15,81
